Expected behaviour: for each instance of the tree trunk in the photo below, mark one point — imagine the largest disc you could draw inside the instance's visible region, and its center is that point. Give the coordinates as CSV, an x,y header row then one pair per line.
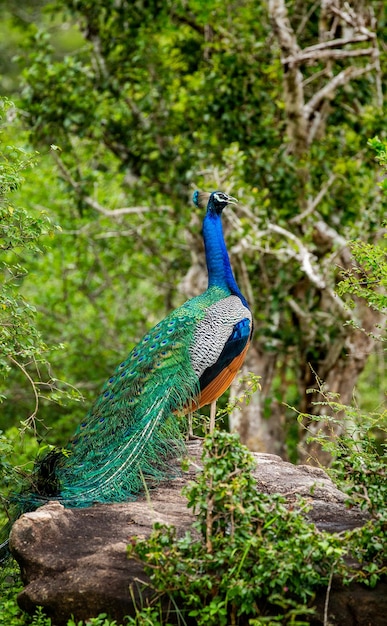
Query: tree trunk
x,y
339,380
256,431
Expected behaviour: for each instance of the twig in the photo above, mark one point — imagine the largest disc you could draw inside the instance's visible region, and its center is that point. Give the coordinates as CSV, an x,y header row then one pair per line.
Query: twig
x,y
309,54
31,418
209,521
124,210
312,205
301,314
340,305
349,19
326,623
337,81
303,256
144,121
96,205
307,17
343,41
330,234
324,72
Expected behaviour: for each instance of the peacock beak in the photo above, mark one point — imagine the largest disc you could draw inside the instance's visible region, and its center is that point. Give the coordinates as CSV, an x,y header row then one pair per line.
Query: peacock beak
x,y
231,200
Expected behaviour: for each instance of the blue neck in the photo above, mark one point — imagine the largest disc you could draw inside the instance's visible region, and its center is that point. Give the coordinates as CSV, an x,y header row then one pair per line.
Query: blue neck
x,y
218,263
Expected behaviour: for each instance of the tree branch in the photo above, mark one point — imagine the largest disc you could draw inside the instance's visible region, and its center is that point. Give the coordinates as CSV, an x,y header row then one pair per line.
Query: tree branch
x,y
94,204
350,20
313,204
293,85
122,211
342,41
303,256
325,52
30,421
284,31
327,92
302,119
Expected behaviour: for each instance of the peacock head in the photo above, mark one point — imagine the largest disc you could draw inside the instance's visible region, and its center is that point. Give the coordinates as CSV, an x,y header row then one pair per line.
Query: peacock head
x,y
215,201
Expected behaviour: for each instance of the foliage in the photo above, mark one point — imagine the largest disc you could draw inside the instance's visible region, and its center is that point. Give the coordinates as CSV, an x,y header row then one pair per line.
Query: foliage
x,y
100,620
21,343
10,585
22,237
368,277
380,148
359,468
20,233
22,346
17,452
227,570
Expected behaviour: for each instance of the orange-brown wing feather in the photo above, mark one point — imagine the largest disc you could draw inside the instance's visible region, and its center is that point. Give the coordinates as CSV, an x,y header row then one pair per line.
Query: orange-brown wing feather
x,y
222,382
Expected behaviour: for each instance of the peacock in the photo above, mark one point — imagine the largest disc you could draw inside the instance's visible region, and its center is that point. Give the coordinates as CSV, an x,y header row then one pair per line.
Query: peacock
x,y
185,362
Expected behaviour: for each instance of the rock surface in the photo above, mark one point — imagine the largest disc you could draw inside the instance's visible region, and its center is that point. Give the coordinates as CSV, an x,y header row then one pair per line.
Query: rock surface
x,y
74,562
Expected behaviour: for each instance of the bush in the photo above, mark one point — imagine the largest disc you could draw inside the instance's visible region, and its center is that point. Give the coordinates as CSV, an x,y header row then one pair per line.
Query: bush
x,y
248,557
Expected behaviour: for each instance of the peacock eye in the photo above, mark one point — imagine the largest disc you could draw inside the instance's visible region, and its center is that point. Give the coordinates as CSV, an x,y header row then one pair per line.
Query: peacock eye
x,y
219,197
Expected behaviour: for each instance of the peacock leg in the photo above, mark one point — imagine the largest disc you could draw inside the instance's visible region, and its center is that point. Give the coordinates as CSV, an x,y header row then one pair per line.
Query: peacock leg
x,y
212,416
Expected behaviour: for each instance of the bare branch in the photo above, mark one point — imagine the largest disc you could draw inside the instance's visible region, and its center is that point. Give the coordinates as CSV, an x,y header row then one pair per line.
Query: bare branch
x,y
350,20
30,421
326,604
63,169
324,72
339,304
245,280
330,234
94,204
303,255
328,91
323,49
313,204
284,31
293,86
343,41
124,210
325,52
144,121
301,313
307,17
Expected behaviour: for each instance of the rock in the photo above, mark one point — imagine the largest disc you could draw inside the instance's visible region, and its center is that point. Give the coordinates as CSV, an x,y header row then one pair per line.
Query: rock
x,y
73,561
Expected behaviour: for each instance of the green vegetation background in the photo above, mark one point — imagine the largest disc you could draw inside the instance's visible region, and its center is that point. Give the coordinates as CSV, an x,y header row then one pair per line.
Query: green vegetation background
x,y
126,110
